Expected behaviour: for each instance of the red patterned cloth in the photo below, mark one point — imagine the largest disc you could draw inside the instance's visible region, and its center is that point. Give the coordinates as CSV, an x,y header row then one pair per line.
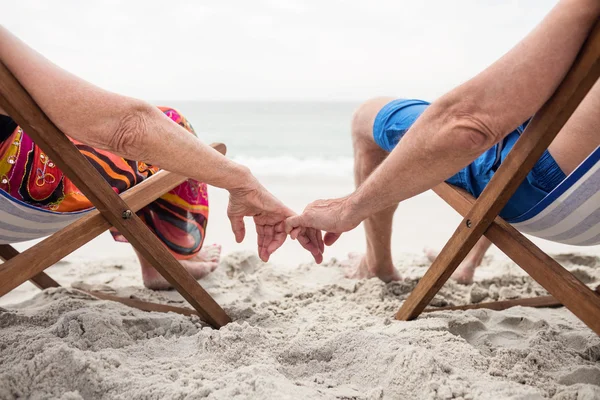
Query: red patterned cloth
x,y
178,218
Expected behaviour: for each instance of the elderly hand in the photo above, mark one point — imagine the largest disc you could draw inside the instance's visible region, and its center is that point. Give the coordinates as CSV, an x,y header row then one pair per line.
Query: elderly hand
x,y
334,216
269,217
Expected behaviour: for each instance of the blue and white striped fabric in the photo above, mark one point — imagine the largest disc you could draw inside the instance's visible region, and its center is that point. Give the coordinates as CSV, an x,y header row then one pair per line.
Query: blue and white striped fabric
x,y
20,221
570,214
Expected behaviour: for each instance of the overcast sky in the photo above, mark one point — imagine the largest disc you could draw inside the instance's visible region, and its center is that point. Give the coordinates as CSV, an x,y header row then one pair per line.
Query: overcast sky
x,y
273,49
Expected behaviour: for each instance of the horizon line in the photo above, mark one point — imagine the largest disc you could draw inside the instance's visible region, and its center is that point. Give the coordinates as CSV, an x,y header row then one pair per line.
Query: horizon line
x,y
259,100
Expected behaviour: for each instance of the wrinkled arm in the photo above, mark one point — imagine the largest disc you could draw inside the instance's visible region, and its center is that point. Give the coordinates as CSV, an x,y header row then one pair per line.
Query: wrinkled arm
x,y
128,127
470,119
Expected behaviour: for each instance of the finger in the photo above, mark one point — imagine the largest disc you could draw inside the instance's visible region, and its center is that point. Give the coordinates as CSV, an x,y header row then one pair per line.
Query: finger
x,y
268,233
320,241
263,255
306,243
295,233
294,222
315,237
259,232
278,240
275,241
311,247
262,252
264,236
238,227
260,239
314,245
319,259
267,239
330,238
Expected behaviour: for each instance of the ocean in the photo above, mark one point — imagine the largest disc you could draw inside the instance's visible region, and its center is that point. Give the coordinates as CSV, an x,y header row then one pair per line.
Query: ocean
x,y
278,138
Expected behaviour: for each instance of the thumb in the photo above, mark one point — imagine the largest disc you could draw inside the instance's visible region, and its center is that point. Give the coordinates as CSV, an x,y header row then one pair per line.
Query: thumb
x,y
331,238
238,227
294,222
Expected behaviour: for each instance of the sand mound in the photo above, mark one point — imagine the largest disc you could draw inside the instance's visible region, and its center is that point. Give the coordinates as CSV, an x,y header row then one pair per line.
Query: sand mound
x,y
302,332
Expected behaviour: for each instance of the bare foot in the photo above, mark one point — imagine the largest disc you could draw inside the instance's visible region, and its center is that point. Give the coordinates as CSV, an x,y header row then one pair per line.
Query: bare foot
x,y
430,253
358,267
464,273
202,264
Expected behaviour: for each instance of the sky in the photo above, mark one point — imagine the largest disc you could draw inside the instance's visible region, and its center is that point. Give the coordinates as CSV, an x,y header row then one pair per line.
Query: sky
x,y
273,49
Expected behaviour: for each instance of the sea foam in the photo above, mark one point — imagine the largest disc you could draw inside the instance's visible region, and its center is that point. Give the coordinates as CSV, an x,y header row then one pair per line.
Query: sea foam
x,y
297,166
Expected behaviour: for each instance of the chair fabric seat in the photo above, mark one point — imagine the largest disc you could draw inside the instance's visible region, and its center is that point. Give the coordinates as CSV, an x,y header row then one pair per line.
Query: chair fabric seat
x,y
20,221
570,214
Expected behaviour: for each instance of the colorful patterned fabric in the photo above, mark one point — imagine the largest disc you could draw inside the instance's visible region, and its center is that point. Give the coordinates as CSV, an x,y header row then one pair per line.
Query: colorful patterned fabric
x,y
178,218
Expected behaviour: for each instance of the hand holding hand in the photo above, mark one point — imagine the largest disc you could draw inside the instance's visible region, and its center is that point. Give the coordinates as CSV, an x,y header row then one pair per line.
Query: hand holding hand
x,y
269,217
333,216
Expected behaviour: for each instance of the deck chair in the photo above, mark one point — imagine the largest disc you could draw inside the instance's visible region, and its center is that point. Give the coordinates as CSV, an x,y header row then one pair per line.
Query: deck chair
x,y
20,222
569,214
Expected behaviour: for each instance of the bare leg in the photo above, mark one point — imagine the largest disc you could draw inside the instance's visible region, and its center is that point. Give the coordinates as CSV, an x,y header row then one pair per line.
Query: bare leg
x,y
580,135
377,262
202,264
466,270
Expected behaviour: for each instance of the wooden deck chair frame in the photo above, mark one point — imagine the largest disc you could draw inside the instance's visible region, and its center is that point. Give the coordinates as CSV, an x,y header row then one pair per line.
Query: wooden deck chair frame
x,y
480,217
111,210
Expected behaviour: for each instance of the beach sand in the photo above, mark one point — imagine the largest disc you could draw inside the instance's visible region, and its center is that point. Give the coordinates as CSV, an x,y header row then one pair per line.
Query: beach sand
x,y
300,330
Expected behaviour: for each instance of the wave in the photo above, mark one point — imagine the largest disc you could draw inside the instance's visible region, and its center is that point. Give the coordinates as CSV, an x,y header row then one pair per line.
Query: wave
x,y
284,166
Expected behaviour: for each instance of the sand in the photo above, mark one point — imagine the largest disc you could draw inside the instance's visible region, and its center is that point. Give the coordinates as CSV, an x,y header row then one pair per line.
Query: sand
x,y
300,332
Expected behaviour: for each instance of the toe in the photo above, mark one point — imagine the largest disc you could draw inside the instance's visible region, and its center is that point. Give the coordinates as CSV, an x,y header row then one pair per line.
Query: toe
x,y
430,253
353,261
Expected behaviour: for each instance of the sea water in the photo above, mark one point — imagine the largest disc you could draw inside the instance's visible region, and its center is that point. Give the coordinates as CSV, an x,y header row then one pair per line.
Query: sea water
x,y
278,138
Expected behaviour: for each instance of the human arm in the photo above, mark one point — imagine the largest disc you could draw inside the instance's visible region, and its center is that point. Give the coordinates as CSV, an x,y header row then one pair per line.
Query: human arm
x,y
136,130
465,122
126,126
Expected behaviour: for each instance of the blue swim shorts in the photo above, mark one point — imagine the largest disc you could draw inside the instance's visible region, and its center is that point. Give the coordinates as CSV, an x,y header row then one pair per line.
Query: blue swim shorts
x,y
396,117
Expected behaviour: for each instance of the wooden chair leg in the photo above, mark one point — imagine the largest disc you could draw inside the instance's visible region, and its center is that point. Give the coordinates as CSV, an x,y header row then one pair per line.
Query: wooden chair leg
x,y
566,289
41,280
140,304
540,132
537,302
